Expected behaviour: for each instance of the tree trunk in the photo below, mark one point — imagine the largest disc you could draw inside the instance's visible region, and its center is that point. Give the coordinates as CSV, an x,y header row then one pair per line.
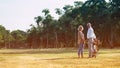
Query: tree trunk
x,y
75,38
8,42
111,38
41,42
56,37
47,41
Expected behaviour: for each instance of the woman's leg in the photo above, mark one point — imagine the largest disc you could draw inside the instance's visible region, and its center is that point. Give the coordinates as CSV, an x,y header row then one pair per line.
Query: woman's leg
x,y
80,50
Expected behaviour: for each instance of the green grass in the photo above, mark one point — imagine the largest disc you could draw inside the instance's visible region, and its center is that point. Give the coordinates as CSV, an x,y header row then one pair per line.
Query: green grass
x,y
58,58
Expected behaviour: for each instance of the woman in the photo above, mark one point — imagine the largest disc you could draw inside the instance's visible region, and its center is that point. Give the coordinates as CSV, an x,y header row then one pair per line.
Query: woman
x,y
81,41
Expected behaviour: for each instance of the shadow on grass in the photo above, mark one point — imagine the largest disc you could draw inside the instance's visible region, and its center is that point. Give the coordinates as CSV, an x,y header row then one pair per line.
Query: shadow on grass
x,y
58,58
65,58
53,51
36,51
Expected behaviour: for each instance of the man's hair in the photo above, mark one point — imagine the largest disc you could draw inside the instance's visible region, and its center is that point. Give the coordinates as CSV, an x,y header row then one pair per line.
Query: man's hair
x,y
88,24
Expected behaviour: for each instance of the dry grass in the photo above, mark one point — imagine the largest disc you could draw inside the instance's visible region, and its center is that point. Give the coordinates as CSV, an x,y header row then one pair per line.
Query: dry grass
x,y
58,58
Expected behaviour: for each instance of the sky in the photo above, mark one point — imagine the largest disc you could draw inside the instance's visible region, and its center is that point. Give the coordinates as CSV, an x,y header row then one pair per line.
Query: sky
x,y
19,14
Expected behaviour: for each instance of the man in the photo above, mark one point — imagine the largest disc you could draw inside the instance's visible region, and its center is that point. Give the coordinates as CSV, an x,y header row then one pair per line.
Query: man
x,y
81,41
90,36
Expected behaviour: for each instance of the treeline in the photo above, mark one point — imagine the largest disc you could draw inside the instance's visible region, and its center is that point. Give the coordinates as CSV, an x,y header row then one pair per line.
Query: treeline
x,y
14,39
52,33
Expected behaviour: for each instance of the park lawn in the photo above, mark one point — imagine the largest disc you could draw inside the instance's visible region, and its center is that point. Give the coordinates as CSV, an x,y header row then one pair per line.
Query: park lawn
x,y
57,58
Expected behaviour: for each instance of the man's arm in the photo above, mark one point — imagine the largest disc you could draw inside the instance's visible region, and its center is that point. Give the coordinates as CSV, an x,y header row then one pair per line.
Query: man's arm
x,y
94,36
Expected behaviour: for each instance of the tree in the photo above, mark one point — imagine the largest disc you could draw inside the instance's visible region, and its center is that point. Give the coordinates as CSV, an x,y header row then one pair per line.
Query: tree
x,y
19,38
78,3
46,23
46,11
2,36
32,37
114,19
67,8
58,11
38,20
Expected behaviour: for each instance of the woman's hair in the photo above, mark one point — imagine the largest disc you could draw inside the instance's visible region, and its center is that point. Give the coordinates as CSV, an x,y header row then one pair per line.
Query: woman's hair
x,y
80,27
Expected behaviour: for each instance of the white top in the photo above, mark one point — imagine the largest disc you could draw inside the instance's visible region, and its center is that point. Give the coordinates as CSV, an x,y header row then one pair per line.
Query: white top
x,y
90,33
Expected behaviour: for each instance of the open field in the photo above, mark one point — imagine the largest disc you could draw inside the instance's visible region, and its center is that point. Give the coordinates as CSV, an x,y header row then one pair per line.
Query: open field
x,y
57,58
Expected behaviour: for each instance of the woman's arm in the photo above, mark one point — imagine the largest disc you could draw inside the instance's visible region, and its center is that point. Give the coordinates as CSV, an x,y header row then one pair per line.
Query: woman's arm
x,y
82,37
78,37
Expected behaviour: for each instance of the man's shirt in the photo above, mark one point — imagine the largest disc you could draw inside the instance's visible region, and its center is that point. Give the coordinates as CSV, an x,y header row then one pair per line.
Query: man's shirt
x,y
90,33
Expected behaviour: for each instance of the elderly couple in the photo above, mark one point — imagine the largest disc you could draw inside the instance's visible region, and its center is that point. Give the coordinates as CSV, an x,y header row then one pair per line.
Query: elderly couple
x,y
81,40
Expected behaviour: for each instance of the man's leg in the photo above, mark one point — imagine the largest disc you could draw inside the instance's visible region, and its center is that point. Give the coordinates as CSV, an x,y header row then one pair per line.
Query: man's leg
x,y
90,47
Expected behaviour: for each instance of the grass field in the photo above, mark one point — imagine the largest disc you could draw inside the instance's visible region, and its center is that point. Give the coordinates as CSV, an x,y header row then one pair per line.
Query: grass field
x,y
57,58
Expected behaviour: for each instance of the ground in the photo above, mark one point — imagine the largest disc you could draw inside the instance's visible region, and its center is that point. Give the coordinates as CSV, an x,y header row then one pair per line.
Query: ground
x,y
57,58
